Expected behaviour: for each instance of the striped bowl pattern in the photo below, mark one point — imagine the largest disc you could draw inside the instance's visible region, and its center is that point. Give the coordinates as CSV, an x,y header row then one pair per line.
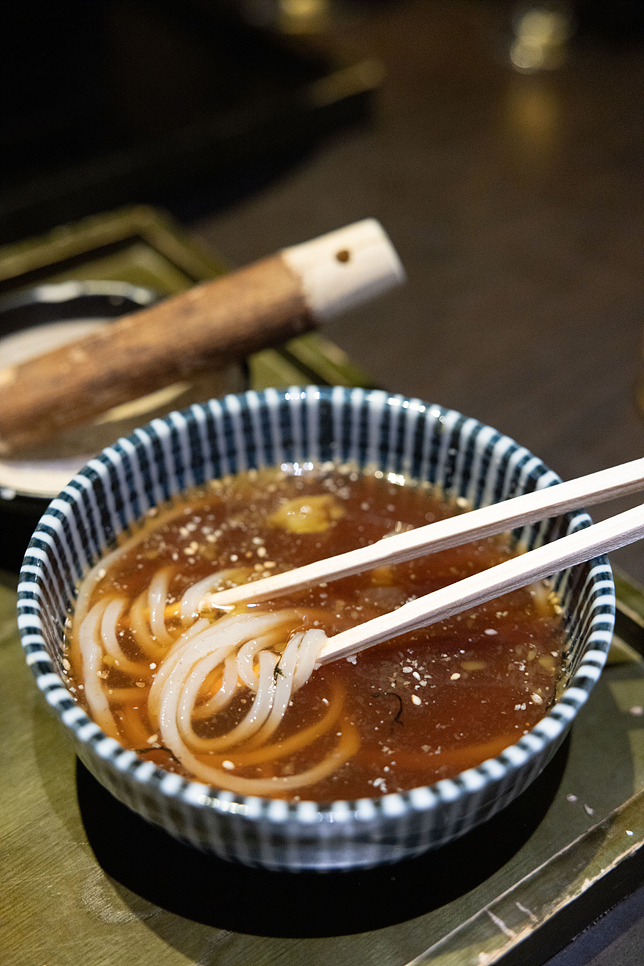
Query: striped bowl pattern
x,y
392,433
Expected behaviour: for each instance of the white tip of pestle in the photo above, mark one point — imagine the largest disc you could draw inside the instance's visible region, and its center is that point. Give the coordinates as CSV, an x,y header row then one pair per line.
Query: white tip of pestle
x,y
345,268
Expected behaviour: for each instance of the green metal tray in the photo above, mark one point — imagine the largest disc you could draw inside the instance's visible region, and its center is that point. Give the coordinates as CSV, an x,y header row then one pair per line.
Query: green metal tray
x,y
85,880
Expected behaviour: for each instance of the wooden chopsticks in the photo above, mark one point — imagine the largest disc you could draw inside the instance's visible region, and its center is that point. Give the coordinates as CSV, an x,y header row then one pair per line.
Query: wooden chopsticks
x,y
471,591
585,491
521,570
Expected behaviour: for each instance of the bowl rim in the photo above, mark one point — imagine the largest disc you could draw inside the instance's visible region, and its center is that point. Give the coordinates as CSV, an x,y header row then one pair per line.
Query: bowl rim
x,y
84,731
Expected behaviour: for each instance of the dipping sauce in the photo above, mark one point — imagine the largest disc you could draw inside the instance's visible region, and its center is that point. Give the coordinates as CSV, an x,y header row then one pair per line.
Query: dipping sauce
x,y
419,708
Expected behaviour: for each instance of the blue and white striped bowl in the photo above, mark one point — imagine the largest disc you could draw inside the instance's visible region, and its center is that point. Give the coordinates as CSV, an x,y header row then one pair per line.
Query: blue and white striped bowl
x,y
372,429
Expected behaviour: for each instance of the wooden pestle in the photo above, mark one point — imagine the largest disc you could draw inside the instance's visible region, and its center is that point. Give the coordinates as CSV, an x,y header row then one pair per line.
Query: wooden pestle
x,y
205,328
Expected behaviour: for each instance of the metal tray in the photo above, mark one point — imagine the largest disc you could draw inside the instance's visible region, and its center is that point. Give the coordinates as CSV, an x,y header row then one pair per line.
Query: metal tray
x,y
85,880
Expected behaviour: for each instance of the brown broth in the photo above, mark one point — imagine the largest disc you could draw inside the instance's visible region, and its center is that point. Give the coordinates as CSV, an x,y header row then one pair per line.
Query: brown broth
x,y
428,704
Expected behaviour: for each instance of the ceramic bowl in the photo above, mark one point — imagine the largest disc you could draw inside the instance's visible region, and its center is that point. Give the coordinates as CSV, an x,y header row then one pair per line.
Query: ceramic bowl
x,y
371,429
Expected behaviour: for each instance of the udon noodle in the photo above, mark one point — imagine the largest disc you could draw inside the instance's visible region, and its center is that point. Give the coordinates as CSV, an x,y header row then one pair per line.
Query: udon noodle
x,y
234,698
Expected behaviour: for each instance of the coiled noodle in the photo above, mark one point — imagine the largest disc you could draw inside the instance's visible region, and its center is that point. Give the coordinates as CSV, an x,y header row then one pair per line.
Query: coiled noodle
x,y
262,653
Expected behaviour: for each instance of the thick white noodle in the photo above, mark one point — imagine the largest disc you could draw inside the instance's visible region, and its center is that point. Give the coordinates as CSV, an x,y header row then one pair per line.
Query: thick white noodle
x,y
283,689
262,704
92,659
157,596
187,689
232,631
215,643
225,693
194,596
221,638
246,663
111,616
250,723
171,659
141,631
247,654
310,645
